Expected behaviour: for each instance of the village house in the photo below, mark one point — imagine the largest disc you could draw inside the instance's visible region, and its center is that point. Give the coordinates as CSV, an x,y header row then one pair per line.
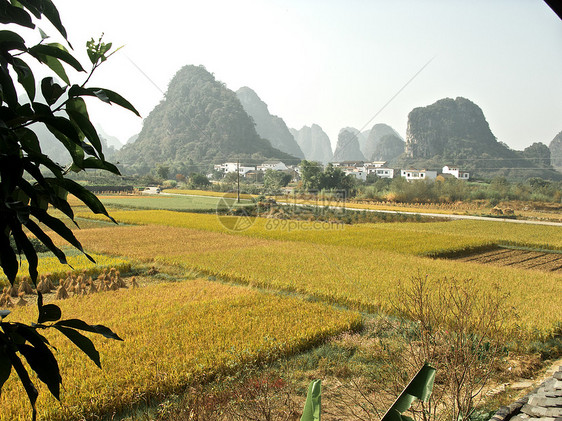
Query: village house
x,y
411,174
359,173
375,164
348,164
232,167
381,172
272,165
456,172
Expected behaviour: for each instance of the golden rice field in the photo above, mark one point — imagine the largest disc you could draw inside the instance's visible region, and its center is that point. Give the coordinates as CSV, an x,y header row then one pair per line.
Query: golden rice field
x,y
79,264
404,237
175,334
210,193
360,277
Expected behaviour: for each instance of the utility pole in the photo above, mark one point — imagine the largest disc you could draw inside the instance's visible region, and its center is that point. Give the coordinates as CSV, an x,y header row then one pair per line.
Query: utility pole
x,y
238,189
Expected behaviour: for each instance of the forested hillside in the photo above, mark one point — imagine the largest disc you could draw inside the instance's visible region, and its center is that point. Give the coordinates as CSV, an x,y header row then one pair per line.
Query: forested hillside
x,y
200,120
268,126
455,131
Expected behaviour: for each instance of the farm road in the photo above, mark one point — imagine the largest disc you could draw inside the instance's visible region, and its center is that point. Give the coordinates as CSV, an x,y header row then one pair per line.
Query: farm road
x,y
435,215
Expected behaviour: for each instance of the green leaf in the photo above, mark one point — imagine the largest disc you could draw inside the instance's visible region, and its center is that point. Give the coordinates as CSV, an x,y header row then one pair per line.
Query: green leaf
x,y
54,65
87,197
25,380
5,365
8,259
28,140
62,125
58,51
313,407
66,133
25,77
81,325
78,113
103,94
43,362
43,34
60,228
49,313
119,100
8,90
95,163
12,14
51,13
11,41
4,313
420,387
44,238
51,91
24,244
82,342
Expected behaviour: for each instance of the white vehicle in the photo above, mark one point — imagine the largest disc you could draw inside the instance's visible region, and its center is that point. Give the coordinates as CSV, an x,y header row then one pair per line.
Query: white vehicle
x,y
151,190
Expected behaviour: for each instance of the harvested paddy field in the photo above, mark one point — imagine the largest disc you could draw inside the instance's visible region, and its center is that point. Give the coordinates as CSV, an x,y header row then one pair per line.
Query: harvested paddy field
x,y
518,258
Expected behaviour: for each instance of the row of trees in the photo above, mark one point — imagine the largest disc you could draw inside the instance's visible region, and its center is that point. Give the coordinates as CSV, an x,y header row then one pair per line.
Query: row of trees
x,y
453,190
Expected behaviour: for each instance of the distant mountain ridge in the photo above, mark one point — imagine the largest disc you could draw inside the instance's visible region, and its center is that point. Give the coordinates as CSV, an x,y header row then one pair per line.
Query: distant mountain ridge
x,y
199,120
555,147
348,146
268,126
314,143
455,131
369,143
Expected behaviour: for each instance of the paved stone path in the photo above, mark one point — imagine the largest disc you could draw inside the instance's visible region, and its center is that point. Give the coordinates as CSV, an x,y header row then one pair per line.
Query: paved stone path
x,y
544,403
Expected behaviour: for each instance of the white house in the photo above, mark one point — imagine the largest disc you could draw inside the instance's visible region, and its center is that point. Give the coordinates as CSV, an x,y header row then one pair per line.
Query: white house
x,y
229,167
381,172
411,175
347,164
375,164
272,165
358,173
456,172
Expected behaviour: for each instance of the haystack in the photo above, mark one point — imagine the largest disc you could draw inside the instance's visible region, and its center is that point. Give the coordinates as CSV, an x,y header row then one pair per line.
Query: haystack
x,y
43,287
13,290
25,287
6,301
61,293
134,282
93,288
49,283
21,302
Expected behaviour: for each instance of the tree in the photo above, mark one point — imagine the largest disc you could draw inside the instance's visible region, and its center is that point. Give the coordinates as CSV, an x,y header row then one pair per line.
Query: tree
x,y
198,181
310,174
335,179
538,153
31,182
274,180
162,171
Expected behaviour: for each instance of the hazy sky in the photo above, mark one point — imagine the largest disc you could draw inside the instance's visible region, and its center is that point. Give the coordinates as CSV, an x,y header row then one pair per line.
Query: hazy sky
x,y
336,63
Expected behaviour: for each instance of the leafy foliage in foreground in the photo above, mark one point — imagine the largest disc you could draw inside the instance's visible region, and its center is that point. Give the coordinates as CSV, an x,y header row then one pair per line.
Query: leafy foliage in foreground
x,y
31,182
